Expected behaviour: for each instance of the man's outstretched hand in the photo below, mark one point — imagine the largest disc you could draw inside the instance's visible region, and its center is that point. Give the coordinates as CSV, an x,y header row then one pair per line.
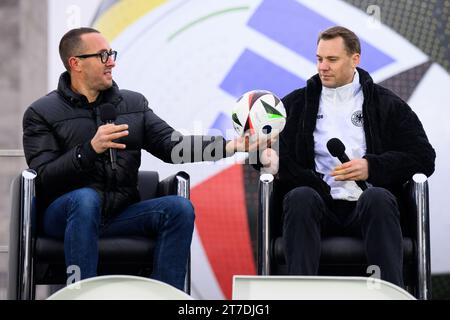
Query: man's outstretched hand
x,y
250,143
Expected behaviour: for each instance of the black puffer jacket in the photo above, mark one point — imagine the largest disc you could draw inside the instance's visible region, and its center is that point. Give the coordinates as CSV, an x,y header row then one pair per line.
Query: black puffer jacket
x,y
397,146
58,128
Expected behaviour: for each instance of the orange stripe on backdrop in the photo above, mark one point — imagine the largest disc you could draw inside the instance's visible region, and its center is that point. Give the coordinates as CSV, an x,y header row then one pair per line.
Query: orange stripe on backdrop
x,y
221,220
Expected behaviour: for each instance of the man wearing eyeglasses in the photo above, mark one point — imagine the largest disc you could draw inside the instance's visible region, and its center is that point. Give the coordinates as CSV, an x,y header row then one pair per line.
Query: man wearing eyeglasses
x,y
80,194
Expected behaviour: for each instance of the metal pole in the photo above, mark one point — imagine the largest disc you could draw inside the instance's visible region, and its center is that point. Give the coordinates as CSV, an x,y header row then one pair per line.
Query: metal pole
x,y
265,198
420,190
184,190
26,254
183,185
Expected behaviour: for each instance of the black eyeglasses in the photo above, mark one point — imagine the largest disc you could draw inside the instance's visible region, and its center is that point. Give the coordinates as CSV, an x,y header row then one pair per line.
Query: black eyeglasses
x,y
104,55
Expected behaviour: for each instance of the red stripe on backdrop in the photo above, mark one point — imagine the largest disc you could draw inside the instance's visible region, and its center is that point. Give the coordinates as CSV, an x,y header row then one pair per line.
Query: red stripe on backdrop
x,y
221,220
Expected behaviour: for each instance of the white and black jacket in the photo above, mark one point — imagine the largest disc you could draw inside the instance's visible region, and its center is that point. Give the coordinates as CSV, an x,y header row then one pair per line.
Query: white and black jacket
x,y
397,146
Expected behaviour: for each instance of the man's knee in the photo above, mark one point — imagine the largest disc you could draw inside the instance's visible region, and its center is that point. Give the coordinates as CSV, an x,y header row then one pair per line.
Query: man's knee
x,y
302,202
85,203
376,195
302,196
378,199
181,208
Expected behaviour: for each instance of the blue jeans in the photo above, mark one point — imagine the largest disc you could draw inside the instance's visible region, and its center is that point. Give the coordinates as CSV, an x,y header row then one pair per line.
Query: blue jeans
x,y
76,216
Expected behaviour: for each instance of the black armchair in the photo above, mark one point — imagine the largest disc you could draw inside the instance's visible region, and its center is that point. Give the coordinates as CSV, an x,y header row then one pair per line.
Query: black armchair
x,y
35,259
346,255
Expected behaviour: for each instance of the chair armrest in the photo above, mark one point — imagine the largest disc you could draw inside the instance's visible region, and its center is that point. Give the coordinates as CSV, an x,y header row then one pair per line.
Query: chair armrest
x,y
416,198
14,239
264,219
177,184
418,224
420,194
21,235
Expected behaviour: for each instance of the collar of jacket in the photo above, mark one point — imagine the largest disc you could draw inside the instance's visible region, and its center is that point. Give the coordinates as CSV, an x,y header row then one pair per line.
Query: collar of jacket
x,y
311,108
312,98
110,95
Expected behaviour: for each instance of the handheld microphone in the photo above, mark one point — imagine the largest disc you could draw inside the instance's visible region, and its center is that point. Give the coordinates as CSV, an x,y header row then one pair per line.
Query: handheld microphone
x,y
108,115
337,149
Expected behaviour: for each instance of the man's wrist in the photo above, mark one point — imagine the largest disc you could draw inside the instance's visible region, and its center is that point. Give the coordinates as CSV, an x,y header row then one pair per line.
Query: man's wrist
x,y
230,148
93,148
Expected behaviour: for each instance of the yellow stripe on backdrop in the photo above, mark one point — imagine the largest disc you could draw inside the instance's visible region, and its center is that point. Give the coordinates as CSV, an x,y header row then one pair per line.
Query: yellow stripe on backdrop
x,y
122,14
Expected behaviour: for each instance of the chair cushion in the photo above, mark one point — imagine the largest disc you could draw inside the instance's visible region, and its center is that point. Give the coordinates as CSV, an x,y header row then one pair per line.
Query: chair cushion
x,y
128,250
343,250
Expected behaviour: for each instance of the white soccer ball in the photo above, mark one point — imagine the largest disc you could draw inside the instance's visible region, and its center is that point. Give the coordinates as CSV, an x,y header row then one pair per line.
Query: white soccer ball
x,y
259,112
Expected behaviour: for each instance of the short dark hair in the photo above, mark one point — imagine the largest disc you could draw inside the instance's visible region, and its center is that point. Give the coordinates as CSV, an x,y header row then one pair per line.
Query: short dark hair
x,y
351,40
71,44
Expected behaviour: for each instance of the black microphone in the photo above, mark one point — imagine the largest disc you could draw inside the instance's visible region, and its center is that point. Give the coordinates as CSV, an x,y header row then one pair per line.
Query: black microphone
x,y
108,115
337,149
